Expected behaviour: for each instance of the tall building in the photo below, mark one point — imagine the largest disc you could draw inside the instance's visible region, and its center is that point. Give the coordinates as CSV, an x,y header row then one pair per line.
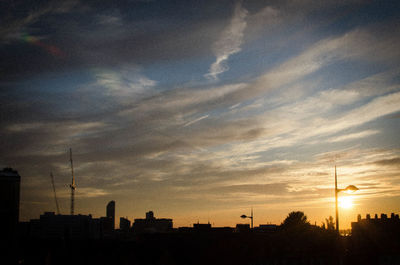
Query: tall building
x,y
9,201
110,213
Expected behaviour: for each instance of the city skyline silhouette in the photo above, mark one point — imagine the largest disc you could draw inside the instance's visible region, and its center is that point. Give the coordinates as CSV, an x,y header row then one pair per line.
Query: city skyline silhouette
x,y
84,239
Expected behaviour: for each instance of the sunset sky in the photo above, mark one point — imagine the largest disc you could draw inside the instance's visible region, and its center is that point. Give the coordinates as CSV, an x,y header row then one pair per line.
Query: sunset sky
x,y
200,110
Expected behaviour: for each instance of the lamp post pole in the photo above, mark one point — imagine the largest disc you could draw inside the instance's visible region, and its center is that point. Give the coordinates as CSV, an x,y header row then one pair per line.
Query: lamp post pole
x,y
350,188
251,217
336,203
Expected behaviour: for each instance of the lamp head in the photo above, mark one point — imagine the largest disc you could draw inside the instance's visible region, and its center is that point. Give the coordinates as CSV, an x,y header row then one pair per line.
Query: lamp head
x,y
351,189
243,216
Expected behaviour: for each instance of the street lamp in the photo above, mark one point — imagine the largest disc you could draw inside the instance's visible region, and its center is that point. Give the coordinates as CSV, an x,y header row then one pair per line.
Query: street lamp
x,y
251,217
350,188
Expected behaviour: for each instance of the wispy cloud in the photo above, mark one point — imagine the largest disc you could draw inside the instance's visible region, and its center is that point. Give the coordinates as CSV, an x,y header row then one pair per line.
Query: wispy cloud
x,y
378,107
389,162
195,120
353,136
84,192
49,138
125,83
229,42
185,100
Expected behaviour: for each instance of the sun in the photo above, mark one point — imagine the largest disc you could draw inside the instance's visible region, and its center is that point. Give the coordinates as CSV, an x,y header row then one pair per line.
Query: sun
x,y
346,202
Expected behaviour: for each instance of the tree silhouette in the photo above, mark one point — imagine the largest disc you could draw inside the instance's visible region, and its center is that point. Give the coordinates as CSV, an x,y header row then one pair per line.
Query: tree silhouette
x,y
295,219
330,224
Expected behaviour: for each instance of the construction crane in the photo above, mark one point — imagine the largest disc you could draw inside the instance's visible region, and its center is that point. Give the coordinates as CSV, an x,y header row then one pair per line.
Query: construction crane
x,y
55,194
72,185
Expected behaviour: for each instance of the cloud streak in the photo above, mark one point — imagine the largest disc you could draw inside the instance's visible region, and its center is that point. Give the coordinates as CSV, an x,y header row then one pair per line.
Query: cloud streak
x,y
196,120
353,136
229,42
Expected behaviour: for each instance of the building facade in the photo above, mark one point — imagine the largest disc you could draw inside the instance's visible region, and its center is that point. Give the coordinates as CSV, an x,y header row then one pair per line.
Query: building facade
x,y
376,227
56,226
110,213
9,201
152,225
124,224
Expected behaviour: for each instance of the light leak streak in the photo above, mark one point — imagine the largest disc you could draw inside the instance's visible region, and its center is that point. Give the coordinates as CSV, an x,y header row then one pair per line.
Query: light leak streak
x,y
53,50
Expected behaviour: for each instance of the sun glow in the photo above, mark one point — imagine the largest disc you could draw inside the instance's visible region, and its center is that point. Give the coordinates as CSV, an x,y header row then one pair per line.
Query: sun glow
x,y
346,202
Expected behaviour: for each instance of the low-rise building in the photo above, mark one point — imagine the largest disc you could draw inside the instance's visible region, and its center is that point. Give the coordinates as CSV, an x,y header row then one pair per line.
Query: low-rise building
x,y
266,228
53,226
152,225
371,227
124,224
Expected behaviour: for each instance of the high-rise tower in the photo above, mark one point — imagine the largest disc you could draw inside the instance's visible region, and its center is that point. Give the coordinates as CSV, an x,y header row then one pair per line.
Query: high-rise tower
x,y
110,212
9,201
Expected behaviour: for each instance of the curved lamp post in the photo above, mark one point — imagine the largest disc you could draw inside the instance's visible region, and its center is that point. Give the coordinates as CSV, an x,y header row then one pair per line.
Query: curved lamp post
x,y
251,217
350,188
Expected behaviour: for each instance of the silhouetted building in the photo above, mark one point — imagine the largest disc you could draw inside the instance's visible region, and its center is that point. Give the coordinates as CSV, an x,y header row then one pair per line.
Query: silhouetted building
x,y
149,215
55,226
377,239
205,228
265,228
241,228
202,227
9,201
110,213
184,229
152,224
225,229
104,225
376,227
124,224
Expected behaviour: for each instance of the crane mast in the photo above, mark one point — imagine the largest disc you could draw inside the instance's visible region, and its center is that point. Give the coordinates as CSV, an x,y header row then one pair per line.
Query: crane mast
x,y
72,185
55,194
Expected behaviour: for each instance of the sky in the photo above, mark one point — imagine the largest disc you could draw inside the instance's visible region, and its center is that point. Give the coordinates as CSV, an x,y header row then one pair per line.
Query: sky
x,y
200,110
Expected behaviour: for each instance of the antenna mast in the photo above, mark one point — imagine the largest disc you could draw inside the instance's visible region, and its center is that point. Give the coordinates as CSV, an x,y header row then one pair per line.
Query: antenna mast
x,y
72,185
55,194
